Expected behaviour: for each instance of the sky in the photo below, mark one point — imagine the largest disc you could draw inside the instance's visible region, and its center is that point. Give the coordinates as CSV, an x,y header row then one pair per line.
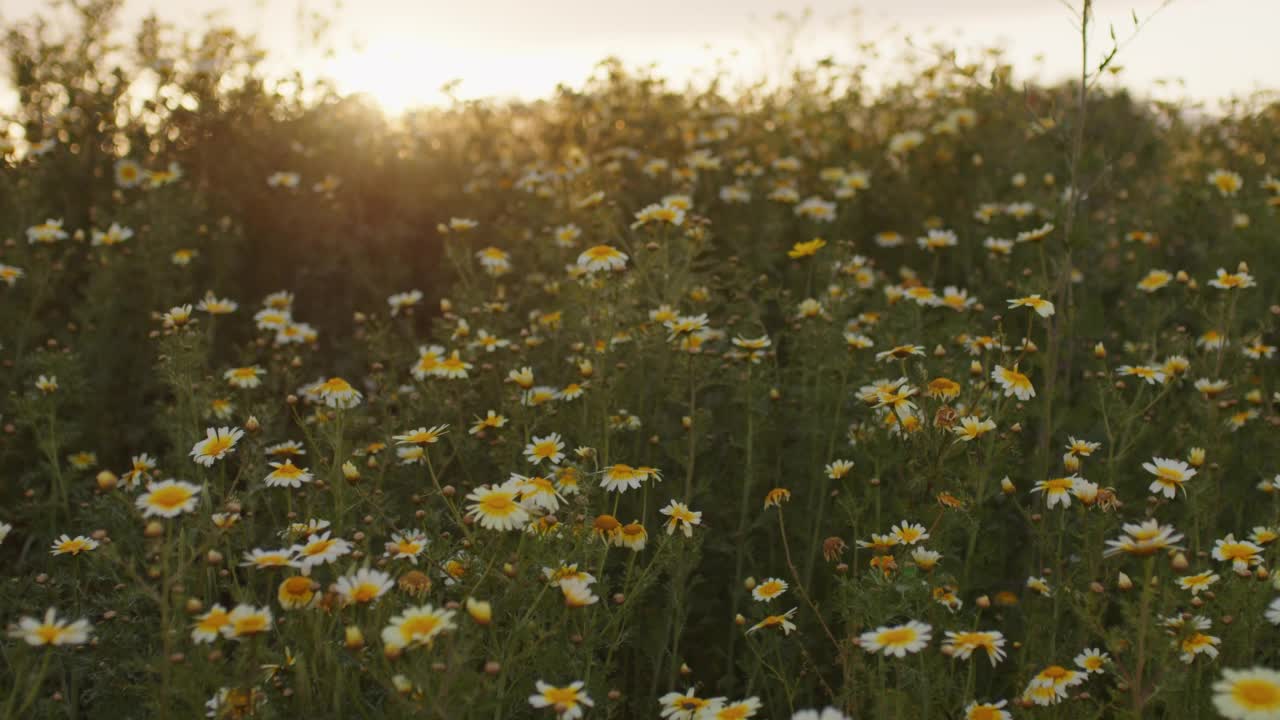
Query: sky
x,y
401,52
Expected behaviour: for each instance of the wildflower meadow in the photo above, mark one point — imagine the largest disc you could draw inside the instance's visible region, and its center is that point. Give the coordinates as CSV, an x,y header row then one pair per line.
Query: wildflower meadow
x,y
945,397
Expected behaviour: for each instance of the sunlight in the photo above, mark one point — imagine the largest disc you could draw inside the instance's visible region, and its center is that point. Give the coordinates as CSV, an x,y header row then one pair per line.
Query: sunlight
x,y
395,76
399,74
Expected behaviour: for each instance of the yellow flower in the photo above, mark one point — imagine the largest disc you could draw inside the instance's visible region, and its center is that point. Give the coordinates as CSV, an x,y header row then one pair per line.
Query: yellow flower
x,y
806,249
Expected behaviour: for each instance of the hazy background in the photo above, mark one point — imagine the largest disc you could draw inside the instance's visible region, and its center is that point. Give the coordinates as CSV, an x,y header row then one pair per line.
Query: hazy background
x,y
402,51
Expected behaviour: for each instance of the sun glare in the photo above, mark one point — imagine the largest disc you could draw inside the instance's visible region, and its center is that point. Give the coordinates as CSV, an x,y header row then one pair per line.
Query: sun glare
x,y
401,74
396,77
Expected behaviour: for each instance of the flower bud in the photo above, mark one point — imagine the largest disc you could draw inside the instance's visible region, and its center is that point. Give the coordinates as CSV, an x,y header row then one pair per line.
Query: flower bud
x,y
480,611
353,638
107,480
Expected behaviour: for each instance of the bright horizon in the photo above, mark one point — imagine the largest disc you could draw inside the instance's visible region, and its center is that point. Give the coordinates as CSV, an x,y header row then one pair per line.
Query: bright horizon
x,y
401,53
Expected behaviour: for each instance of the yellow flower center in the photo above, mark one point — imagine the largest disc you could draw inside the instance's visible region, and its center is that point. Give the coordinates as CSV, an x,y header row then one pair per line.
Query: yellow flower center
x,y
364,592
897,637
418,625
214,621
1256,694
169,497
317,547
557,696
500,504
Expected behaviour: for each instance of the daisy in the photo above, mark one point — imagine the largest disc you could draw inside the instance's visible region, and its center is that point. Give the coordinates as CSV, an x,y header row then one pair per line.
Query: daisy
x,y
1241,553
1013,382
1039,585
407,545
51,630
489,342
208,627
738,710
422,436
1198,643
49,231
909,533
364,587
686,705
297,593
897,640
548,447
1083,448
177,316
537,492
403,301
490,420
496,507
10,275
1092,660
566,571
1154,280
568,701
602,258
632,535
140,470
1057,491
1171,475
244,377
1199,582
621,477
417,626
286,448
286,474
963,644
1153,375
67,545
1042,307
1211,388
217,445
681,516
971,427
925,559
1227,183
782,622
319,550
1034,235
128,173
937,239
1146,539
1232,281
899,352
1252,694
338,393
246,621
837,469
770,589
264,559
1263,535
987,711
114,235
577,593
168,499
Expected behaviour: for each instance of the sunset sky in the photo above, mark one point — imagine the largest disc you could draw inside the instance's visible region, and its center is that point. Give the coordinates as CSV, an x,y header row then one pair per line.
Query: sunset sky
x,y
402,51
